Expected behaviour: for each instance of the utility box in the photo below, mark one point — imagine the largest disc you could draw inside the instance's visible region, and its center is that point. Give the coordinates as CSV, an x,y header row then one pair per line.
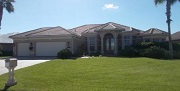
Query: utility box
x,y
11,63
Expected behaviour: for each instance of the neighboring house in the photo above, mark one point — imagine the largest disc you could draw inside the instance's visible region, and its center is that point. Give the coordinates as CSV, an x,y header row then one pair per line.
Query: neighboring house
x,y
6,43
108,39
154,35
176,37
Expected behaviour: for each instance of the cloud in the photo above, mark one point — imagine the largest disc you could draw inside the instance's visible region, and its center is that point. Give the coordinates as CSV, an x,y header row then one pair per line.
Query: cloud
x,y
110,6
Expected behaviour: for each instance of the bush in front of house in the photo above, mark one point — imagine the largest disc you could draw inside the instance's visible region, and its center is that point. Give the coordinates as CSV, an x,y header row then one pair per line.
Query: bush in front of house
x,y
1,53
176,55
7,53
64,54
129,52
156,52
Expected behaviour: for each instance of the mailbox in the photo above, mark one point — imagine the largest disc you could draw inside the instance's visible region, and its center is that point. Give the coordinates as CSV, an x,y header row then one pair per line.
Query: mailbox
x,y
11,63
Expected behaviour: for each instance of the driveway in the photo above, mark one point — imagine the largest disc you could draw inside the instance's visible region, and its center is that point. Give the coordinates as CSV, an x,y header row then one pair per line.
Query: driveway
x,y
21,64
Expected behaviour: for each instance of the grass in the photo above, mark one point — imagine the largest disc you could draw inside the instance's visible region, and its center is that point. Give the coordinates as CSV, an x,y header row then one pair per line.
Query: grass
x,y
3,57
99,74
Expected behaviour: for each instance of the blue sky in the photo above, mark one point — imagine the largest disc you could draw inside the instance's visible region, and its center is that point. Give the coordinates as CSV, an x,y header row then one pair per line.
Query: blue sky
x,y
32,14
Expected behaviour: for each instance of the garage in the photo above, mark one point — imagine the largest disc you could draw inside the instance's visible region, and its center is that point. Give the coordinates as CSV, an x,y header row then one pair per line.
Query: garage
x,y
49,48
23,49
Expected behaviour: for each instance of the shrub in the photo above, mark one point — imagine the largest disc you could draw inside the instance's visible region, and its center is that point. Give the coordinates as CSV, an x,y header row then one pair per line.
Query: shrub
x,y
129,52
143,45
7,53
64,54
177,55
1,53
156,52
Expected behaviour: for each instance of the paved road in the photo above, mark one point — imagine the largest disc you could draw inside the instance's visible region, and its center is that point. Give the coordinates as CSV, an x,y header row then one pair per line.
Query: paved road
x,y
21,64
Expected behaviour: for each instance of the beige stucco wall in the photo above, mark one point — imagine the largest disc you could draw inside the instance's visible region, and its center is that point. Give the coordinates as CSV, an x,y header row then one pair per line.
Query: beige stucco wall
x,y
155,36
115,35
71,40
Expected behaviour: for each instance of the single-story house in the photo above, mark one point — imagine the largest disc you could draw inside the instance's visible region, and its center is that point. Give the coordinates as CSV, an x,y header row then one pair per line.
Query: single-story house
x,y
176,37
6,44
108,39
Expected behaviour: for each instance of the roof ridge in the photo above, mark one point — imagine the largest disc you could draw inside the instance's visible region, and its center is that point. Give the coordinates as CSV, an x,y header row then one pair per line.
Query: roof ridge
x,y
92,28
29,31
121,24
41,31
82,26
69,31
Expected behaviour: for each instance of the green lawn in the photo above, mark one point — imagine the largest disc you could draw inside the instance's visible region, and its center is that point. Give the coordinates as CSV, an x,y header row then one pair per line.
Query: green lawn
x,y
5,57
99,74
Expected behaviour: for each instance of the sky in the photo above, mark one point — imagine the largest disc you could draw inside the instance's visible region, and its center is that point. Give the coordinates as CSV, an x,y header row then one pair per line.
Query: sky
x,y
140,14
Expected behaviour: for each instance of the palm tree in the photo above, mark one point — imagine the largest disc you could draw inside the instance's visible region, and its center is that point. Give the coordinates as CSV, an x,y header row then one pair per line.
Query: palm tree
x,y
7,4
169,3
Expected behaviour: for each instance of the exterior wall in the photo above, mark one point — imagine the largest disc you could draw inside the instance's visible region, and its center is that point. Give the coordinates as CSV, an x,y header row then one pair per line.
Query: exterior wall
x,y
153,38
77,45
68,41
176,41
102,35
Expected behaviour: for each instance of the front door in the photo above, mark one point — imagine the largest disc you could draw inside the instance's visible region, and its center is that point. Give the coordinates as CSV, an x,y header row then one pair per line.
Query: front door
x,y
109,44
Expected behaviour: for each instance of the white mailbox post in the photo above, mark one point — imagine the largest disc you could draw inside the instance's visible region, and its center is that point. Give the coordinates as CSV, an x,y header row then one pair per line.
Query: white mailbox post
x,y
10,64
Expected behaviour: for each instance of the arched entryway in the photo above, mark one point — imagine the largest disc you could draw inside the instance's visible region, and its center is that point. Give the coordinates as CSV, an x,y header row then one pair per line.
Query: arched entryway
x,y
109,44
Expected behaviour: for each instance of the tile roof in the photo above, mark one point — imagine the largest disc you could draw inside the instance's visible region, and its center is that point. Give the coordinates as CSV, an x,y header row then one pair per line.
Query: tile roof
x,y
45,31
89,28
79,30
111,25
4,38
154,31
176,36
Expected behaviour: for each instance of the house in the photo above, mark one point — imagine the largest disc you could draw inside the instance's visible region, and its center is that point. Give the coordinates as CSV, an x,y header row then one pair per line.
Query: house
x,y
176,37
6,44
108,39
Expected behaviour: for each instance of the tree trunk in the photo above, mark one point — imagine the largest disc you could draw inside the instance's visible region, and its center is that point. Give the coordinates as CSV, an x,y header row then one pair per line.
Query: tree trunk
x,y
168,14
1,11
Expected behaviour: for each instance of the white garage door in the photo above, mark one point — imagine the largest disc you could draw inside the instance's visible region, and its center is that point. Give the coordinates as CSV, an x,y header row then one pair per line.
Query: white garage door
x,y
49,48
23,49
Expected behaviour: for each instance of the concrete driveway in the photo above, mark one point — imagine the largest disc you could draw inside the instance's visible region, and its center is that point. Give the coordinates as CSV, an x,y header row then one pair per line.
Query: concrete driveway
x,y
21,64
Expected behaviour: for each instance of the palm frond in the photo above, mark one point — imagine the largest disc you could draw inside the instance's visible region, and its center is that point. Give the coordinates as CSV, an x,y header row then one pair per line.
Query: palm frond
x,y
10,1
173,1
159,1
9,7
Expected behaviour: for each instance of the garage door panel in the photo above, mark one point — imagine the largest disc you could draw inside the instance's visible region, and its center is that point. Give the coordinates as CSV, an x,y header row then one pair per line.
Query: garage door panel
x,y
23,49
49,48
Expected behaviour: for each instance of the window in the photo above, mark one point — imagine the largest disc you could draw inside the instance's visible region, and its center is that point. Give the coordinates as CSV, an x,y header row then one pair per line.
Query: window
x,y
112,44
134,39
127,41
107,44
99,43
68,44
92,43
156,40
147,40
119,42
85,44
163,40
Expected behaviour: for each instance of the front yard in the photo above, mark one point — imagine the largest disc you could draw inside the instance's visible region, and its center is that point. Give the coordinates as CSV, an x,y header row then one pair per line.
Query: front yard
x,y
99,74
